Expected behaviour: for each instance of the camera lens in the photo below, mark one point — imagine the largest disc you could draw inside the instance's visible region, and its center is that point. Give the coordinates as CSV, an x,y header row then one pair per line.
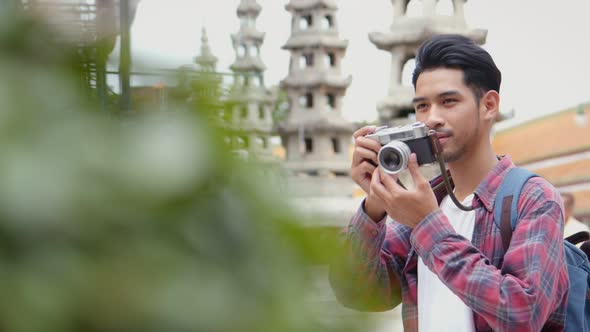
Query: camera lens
x,y
391,159
394,156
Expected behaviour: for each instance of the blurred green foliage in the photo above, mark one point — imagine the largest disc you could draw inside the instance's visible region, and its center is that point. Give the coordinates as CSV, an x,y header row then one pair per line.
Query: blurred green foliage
x,y
136,223
281,107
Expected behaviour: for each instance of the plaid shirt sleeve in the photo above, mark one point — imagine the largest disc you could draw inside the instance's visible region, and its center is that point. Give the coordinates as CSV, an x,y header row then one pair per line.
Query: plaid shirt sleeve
x,y
533,280
368,276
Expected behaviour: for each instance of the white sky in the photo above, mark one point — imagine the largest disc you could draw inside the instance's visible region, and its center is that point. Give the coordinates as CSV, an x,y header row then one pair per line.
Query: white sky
x,y
541,46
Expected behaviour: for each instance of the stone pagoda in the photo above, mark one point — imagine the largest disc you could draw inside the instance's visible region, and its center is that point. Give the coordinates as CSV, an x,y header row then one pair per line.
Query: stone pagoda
x,y
205,63
199,81
253,102
402,41
316,136
317,139
206,60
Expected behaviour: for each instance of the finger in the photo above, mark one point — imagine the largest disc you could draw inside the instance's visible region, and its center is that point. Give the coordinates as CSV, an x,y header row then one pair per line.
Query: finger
x,y
361,154
389,181
367,168
375,180
364,170
364,131
377,187
368,143
362,174
413,166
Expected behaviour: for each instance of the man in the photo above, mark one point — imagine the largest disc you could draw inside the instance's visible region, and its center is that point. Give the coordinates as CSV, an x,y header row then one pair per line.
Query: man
x,y
572,225
449,264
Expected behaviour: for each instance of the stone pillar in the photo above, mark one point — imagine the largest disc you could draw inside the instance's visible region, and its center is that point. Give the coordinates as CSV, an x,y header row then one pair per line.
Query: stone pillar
x,y
399,7
458,8
429,7
397,67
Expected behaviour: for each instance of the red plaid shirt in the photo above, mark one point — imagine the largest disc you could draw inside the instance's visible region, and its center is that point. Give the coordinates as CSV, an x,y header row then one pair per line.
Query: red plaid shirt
x,y
523,289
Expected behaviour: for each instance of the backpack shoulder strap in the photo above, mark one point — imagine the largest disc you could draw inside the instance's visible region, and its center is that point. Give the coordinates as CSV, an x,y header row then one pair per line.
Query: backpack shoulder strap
x,y
506,202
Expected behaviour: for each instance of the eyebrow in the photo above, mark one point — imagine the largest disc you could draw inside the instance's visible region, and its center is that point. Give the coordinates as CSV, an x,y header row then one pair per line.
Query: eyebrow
x,y
443,94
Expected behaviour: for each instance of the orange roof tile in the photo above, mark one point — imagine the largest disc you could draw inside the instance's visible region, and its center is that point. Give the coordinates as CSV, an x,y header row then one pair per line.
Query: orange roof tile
x,y
566,173
553,135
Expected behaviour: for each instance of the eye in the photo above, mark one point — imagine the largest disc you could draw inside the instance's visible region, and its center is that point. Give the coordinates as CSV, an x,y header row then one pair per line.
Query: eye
x,y
420,107
448,101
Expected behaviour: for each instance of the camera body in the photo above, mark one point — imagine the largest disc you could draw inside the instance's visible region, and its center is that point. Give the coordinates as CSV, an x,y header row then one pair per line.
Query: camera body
x,y
401,141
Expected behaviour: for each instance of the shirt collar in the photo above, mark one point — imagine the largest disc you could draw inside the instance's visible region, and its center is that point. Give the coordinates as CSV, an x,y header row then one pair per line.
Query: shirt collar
x,y
488,188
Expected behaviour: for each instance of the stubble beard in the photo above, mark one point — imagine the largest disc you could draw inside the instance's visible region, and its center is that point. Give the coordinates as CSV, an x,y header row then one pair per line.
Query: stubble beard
x,y
450,156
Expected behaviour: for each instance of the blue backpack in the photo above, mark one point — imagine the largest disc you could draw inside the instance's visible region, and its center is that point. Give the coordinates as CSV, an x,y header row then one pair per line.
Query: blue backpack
x,y
578,267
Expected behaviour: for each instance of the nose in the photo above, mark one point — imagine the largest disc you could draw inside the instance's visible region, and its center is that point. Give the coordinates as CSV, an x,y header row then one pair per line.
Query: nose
x,y
434,119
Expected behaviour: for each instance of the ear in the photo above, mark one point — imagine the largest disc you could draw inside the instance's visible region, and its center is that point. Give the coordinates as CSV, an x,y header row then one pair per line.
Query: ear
x,y
490,105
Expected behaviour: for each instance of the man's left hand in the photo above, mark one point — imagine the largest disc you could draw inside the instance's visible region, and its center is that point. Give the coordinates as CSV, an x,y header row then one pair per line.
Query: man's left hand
x,y
407,207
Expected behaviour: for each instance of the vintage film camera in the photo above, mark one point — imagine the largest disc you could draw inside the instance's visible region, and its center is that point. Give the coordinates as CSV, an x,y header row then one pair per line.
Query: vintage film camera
x,y
399,142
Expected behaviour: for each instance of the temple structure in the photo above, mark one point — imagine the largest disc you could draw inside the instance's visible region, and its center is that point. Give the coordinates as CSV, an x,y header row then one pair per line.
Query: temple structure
x,y
206,61
252,101
402,41
556,147
315,135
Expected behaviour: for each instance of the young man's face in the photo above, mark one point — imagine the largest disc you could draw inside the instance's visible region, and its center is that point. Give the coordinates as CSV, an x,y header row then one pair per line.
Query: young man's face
x,y
447,105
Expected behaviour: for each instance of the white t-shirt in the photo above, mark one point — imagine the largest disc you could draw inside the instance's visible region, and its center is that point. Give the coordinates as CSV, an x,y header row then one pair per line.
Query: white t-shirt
x,y
573,226
439,310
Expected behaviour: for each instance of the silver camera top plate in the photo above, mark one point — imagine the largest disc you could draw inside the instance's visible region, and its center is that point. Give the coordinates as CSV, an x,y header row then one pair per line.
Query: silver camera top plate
x,y
385,135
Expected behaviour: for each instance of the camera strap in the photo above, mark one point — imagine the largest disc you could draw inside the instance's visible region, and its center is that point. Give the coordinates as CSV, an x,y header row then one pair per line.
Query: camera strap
x,y
437,149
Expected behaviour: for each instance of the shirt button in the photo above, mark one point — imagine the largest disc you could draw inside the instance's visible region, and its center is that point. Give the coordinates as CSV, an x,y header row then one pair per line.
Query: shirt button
x,y
375,232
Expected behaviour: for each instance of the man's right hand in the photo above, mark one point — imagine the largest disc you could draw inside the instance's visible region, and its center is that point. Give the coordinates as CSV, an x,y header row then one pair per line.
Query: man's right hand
x,y
364,163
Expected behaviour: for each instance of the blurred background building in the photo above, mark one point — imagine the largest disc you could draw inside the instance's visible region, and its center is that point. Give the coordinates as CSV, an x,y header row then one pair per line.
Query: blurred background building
x,y
405,35
316,137
251,115
557,147
94,26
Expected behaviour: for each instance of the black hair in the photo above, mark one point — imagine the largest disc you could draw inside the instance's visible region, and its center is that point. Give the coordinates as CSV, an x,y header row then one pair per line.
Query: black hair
x,y
480,73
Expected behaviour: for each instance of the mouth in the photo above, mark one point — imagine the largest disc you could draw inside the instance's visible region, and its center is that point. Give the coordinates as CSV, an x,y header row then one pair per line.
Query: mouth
x,y
442,137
